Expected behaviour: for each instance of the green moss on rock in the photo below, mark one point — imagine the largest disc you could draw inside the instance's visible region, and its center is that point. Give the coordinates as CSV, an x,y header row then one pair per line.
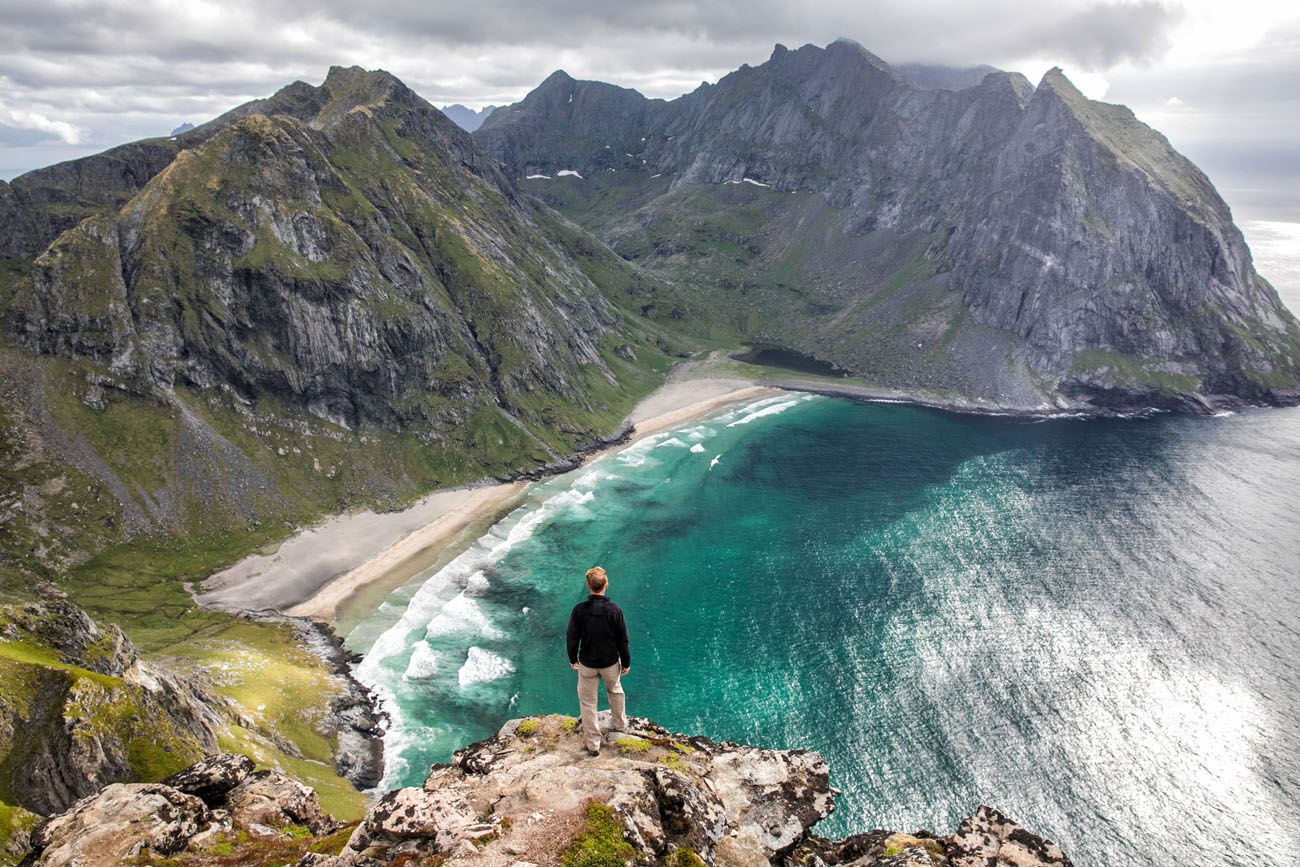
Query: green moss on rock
x,y
601,843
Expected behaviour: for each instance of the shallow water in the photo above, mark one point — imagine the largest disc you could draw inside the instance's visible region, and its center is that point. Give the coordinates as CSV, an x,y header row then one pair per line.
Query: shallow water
x,y
1092,625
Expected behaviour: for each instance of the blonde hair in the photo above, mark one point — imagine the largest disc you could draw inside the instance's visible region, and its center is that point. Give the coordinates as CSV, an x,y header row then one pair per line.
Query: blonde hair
x,y
597,580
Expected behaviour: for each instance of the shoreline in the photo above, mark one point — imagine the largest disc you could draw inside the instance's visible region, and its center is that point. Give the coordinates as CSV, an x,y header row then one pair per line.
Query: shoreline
x,y
340,569
330,571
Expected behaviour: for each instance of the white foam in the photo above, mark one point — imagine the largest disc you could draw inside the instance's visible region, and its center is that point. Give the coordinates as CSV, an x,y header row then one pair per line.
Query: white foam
x,y
671,441
539,177
697,448
482,666
476,584
713,463
771,408
461,614
568,173
754,182
423,664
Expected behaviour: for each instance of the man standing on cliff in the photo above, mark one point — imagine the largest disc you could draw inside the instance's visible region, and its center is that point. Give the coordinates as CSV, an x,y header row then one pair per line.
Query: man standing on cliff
x,y
598,651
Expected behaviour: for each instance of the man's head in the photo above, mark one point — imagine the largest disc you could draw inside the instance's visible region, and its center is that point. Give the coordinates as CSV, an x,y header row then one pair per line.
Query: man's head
x,y
597,580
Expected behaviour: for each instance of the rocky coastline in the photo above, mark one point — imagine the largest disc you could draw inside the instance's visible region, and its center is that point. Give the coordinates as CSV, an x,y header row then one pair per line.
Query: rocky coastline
x,y
529,795
356,718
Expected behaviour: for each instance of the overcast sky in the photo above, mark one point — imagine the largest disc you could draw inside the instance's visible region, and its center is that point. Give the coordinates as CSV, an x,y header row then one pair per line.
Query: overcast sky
x,y
1221,79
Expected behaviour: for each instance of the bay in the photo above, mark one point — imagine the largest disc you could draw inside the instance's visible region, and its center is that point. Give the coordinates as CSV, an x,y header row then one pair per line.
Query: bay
x,y
1093,625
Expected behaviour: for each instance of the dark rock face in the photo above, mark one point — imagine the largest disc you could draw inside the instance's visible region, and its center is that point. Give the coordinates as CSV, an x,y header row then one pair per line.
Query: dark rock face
x,y
1056,246
354,255
211,779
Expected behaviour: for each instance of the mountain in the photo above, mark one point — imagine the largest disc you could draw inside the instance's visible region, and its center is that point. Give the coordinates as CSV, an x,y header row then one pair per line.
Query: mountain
x,y
329,297
1021,245
183,128
935,77
467,118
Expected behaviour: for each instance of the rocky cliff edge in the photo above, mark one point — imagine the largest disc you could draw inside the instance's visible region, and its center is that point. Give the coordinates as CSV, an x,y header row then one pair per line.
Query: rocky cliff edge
x,y
526,797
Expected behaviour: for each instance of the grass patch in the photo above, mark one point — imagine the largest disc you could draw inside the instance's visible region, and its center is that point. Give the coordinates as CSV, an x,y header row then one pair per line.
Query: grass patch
x,y
529,727
1118,368
633,745
684,857
600,843
13,822
673,762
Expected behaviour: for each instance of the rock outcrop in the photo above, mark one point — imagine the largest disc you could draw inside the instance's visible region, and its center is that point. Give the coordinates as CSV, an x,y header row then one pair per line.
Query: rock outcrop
x,y
117,824
191,810
530,795
525,794
1023,245
80,710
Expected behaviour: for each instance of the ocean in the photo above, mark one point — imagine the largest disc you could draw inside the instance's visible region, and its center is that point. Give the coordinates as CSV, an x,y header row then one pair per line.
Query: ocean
x,y
1093,625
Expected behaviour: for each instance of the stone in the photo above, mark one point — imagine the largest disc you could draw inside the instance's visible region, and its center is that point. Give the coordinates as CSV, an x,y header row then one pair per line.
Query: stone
x,y
270,798
212,778
990,837
116,824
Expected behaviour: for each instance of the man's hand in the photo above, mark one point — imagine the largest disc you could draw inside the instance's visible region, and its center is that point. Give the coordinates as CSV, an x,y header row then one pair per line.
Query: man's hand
x,y
573,665
626,670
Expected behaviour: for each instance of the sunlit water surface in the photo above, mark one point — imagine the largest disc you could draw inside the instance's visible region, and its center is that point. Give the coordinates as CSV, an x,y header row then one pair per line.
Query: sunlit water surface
x,y
1093,625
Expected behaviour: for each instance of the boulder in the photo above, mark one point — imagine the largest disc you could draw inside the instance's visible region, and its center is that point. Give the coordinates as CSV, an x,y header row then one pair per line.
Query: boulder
x,y
989,837
212,778
118,823
270,798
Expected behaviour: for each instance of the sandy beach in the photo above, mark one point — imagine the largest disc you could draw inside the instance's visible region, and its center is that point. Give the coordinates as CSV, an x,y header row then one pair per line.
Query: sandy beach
x,y
325,571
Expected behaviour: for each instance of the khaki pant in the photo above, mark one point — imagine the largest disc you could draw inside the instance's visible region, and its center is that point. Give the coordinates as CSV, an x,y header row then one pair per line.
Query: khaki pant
x,y
588,684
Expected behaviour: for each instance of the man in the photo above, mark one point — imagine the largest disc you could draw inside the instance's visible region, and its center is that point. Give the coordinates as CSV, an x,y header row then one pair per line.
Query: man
x,y
598,651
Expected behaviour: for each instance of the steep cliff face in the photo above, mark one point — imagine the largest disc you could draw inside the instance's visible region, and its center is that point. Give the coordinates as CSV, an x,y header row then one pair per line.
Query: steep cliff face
x,y
79,709
367,264
1025,245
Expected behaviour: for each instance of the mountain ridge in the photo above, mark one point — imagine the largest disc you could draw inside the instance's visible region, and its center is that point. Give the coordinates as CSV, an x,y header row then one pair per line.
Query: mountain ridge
x,y
1040,248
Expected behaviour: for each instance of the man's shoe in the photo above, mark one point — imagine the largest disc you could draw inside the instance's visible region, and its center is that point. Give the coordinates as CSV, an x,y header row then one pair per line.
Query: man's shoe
x,y
592,753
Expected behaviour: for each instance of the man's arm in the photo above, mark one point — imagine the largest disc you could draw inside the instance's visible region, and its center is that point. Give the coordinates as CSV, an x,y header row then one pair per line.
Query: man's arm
x,y
624,653
571,637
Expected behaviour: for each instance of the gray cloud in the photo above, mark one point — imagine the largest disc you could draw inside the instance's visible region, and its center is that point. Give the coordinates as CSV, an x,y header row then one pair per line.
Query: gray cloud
x,y
75,78
1105,34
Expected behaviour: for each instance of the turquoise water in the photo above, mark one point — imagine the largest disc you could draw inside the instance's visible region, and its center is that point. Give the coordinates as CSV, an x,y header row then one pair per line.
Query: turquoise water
x,y
1092,625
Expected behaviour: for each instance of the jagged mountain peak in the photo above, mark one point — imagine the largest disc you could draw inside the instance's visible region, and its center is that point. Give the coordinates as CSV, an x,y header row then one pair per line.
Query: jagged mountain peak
x,y
557,78
845,47
1024,220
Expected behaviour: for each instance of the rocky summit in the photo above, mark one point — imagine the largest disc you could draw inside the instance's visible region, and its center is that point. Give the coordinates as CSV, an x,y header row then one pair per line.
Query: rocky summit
x,y
528,795
1020,244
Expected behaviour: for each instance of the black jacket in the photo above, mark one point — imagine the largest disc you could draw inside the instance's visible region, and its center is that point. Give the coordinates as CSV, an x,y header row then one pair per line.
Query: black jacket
x,y
597,635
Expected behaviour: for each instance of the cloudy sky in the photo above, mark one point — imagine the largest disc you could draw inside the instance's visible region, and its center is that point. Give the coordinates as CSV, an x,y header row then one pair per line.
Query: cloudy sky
x,y
1220,79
